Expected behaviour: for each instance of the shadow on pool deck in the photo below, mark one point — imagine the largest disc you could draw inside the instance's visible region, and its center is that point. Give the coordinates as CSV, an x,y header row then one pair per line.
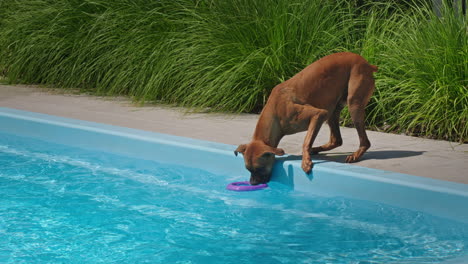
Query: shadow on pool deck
x,y
287,173
370,155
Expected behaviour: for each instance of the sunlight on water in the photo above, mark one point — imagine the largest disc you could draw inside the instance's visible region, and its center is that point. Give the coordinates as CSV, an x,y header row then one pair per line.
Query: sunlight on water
x,y
61,204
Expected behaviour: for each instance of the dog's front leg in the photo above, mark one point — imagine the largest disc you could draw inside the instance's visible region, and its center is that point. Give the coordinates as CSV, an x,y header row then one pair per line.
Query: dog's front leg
x,y
316,118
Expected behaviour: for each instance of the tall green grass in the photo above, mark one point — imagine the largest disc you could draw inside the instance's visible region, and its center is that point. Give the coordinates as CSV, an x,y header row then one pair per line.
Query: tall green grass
x,y
422,84
228,55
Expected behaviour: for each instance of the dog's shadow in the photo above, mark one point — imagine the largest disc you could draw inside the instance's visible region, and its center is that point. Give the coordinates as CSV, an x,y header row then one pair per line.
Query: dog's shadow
x,y
369,155
287,173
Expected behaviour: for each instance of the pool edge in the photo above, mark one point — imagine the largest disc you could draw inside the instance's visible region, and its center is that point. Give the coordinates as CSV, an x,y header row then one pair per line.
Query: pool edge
x,y
437,197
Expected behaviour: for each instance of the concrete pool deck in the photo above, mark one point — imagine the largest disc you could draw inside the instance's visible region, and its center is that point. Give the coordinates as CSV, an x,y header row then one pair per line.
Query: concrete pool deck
x,y
417,156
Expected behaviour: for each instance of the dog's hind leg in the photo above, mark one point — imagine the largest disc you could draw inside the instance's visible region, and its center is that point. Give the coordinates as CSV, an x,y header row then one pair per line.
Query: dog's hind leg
x,y
359,93
335,135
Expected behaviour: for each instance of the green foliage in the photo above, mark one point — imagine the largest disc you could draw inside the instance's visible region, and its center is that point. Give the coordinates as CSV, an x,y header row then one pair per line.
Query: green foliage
x,y
228,55
422,84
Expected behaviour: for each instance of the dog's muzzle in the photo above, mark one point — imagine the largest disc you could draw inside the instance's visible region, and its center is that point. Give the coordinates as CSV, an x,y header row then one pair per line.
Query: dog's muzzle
x,y
256,179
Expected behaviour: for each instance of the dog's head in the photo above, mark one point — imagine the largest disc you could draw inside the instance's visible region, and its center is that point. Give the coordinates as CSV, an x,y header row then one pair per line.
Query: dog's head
x,y
259,159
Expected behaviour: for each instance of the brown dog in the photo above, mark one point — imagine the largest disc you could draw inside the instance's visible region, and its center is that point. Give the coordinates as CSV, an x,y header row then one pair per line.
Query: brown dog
x,y
304,102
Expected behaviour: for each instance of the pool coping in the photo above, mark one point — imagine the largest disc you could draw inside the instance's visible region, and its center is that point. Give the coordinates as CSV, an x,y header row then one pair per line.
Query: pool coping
x,y
437,197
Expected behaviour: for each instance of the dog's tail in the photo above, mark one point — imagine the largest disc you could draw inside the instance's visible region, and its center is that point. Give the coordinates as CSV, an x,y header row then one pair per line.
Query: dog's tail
x,y
374,68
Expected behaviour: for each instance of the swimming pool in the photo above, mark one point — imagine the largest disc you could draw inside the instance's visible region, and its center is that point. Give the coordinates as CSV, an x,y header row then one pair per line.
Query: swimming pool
x,y
74,191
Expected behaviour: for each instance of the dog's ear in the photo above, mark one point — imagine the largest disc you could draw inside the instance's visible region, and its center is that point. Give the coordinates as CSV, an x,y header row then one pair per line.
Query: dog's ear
x,y
240,149
274,151
278,151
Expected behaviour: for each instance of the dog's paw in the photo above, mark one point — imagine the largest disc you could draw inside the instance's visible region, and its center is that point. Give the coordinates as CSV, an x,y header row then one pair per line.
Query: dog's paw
x,y
307,165
351,158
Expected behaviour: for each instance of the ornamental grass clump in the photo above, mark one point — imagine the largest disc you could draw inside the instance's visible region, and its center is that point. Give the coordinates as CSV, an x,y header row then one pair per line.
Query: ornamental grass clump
x,y
423,84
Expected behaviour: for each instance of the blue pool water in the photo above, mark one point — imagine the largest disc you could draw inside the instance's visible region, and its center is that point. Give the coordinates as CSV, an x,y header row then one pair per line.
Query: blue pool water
x,y
67,205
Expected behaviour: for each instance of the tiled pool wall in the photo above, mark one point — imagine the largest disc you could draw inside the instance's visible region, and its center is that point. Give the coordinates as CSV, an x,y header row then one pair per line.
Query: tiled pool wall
x,y
440,198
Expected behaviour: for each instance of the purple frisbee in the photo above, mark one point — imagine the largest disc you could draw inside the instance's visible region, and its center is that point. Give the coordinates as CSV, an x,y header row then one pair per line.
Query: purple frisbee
x,y
245,186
